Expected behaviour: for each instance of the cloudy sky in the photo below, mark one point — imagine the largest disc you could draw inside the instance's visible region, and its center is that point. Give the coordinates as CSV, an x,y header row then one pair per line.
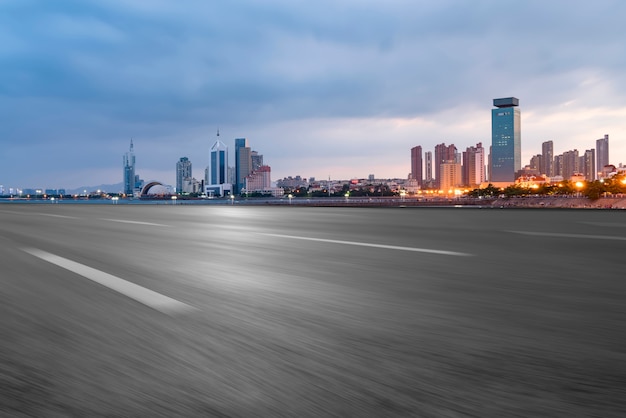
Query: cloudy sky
x,y
340,88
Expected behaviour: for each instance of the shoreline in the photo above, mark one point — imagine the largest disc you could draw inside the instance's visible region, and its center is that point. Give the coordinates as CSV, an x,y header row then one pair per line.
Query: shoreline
x,y
546,202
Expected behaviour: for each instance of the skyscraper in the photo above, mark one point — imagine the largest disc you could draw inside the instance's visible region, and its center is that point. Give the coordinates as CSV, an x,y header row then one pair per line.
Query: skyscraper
x,y
183,171
257,160
443,153
473,173
416,164
570,163
602,152
547,155
588,166
506,143
428,163
243,163
218,163
129,170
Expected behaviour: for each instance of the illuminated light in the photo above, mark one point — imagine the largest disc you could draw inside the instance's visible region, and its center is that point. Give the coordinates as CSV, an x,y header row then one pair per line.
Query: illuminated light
x,y
579,184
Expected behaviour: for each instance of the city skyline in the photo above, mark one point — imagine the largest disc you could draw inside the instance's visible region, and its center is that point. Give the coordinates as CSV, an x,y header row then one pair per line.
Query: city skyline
x,y
331,89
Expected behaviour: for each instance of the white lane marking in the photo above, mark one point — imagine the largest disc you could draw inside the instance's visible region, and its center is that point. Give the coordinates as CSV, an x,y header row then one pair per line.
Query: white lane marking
x,y
367,244
607,224
142,295
559,235
56,216
132,222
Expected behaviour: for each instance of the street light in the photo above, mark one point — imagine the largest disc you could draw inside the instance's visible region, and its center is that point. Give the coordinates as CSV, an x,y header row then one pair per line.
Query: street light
x,y
232,199
114,199
174,200
290,196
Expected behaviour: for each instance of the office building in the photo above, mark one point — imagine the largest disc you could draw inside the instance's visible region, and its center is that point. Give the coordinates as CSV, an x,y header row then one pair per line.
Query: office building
x,y
243,163
129,170
416,164
506,144
218,163
183,173
602,153
256,159
547,154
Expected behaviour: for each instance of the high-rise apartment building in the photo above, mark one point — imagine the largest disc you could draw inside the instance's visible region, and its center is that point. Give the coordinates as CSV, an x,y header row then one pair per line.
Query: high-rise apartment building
x,y
473,173
129,170
450,175
570,164
588,166
183,173
416,164
557,167
243,163
428,166
602,152
443,153
547,154
218,163
506,144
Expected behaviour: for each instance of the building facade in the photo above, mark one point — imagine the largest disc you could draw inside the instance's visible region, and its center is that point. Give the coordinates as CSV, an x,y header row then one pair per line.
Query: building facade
x,y
506,144
183,173
450,175
259,180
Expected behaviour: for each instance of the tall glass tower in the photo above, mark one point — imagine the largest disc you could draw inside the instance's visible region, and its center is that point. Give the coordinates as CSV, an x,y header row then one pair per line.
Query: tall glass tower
x,y
243,163
129,170
506,140
218,168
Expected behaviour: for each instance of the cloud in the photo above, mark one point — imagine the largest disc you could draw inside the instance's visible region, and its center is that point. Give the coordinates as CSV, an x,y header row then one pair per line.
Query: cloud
x,y
85,76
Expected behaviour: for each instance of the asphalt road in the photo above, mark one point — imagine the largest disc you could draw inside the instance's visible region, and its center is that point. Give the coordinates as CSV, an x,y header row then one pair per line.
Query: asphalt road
x,y
167,311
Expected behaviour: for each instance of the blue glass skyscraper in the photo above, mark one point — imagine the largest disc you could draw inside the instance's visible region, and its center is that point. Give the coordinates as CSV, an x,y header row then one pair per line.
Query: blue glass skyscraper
x,y
506,140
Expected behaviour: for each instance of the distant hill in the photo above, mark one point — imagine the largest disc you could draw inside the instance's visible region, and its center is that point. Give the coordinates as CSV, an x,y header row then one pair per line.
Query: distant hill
x,y
110,188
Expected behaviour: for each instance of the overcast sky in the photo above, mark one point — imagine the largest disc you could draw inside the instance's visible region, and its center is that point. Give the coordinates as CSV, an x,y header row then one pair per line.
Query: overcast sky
x,y
340,88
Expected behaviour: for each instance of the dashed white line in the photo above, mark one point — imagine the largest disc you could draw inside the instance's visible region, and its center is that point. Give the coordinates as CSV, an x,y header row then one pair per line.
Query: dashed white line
x,y
56,216
132,222
560,235
142,295
367,244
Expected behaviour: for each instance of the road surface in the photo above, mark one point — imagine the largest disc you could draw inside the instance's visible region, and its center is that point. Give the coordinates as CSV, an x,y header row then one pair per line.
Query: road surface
x,y
227,311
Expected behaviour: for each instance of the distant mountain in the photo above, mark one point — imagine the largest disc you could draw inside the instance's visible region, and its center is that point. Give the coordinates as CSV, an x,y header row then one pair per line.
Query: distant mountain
x,y
110,188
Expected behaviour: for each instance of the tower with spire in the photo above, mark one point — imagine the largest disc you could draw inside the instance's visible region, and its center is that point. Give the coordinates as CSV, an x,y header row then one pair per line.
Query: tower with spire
x,y
129,170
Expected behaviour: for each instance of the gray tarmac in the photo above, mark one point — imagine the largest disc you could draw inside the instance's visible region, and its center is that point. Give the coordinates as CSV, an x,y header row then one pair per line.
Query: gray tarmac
x,y
227,311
